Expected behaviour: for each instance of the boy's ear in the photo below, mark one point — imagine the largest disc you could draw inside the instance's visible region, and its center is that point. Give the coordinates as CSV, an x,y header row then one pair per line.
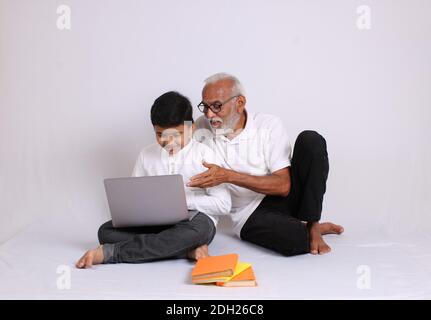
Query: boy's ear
x,y
188,130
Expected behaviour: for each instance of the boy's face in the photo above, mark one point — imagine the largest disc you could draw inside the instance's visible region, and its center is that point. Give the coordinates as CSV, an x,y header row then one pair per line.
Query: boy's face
x,y
173,139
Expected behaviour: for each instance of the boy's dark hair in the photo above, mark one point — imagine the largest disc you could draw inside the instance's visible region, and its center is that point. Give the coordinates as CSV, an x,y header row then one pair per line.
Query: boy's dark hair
x,y
171,109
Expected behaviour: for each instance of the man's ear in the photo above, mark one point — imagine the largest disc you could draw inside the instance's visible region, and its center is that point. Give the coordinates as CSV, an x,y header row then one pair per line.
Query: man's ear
x,y
240,104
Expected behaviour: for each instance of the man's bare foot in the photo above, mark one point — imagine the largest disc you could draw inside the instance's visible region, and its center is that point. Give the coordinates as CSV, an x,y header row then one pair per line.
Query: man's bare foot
x,y
91,257
199,253
317,245
330,228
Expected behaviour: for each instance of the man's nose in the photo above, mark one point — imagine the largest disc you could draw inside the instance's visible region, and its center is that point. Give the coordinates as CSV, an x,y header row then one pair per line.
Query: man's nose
x,y
210,114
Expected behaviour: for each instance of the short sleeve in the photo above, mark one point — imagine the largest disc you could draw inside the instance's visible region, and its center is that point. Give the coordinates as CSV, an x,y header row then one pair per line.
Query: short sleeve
x,y
138,170
278,149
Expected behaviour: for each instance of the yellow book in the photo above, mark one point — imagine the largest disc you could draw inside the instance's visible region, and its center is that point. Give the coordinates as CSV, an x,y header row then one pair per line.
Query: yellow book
x,y
244,279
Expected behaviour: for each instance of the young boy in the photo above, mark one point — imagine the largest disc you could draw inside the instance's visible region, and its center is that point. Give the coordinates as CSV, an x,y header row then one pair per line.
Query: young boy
x,y
174,153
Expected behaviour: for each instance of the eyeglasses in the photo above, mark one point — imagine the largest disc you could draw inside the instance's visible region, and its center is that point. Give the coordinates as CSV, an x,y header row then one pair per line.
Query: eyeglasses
x,y
215,106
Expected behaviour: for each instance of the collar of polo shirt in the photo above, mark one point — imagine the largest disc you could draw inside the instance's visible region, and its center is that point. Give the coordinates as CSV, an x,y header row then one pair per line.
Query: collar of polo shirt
x,y
247,133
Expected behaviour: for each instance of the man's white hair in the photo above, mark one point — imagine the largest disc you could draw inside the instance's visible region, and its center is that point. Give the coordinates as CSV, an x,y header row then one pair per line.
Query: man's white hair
x,y
237,89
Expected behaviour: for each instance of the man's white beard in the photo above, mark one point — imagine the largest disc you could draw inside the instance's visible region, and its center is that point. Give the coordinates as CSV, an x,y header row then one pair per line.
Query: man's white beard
x,y
227,126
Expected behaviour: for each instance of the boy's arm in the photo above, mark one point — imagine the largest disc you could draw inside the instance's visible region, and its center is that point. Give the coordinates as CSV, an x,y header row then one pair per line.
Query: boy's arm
x,y
215,201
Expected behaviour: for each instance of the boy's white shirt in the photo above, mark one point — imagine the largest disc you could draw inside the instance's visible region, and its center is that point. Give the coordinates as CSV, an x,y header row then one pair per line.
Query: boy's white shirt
x,y
153,160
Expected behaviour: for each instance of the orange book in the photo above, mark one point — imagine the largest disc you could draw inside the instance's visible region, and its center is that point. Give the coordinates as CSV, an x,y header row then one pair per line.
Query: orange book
x,y
215,266
244,279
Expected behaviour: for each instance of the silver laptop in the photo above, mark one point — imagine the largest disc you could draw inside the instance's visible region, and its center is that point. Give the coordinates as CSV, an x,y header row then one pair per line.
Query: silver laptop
x,y
146,201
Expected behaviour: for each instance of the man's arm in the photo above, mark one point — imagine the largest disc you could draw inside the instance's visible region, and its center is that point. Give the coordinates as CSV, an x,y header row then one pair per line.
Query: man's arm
x,y
278,183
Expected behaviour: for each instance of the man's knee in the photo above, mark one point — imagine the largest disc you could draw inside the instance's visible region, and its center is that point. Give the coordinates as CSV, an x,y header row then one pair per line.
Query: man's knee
x,y
311,141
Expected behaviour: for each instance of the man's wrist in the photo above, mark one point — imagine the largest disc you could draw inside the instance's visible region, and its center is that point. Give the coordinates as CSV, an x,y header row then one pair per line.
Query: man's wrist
x,y
231,176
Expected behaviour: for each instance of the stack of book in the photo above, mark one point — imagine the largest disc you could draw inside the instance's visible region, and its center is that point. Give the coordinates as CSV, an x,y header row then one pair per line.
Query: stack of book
x,y
224,271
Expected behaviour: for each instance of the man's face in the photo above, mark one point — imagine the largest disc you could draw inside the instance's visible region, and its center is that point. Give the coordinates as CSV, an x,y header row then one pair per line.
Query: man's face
x,y
229,115
173,139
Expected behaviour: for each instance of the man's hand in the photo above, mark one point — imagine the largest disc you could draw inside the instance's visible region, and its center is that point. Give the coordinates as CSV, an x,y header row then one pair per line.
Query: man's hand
x,y
214,176
277,183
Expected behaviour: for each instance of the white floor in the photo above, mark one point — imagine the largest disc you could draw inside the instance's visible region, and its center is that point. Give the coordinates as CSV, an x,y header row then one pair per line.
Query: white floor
x,y
361,266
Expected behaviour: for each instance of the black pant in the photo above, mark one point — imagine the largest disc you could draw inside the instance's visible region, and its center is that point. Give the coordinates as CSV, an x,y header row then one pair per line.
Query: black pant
x,y
277,223
150,243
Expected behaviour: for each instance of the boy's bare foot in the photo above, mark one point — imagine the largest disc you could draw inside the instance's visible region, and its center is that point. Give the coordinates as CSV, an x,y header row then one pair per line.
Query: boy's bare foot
x,y
317,245
199,253
91,257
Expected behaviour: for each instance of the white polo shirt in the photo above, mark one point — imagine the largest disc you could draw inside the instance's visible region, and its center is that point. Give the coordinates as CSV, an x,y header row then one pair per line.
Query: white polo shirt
x,y
262,148
154,160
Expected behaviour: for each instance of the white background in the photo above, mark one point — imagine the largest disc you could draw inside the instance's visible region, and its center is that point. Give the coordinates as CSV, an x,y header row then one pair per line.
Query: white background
x,y
74,104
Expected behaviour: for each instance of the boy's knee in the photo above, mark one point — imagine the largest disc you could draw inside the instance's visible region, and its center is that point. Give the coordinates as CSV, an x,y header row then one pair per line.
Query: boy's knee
x,y
200,235
203,229
104,229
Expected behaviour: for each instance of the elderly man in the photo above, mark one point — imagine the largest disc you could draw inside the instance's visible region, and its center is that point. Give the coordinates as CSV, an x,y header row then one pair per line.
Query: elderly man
x,y
276,198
